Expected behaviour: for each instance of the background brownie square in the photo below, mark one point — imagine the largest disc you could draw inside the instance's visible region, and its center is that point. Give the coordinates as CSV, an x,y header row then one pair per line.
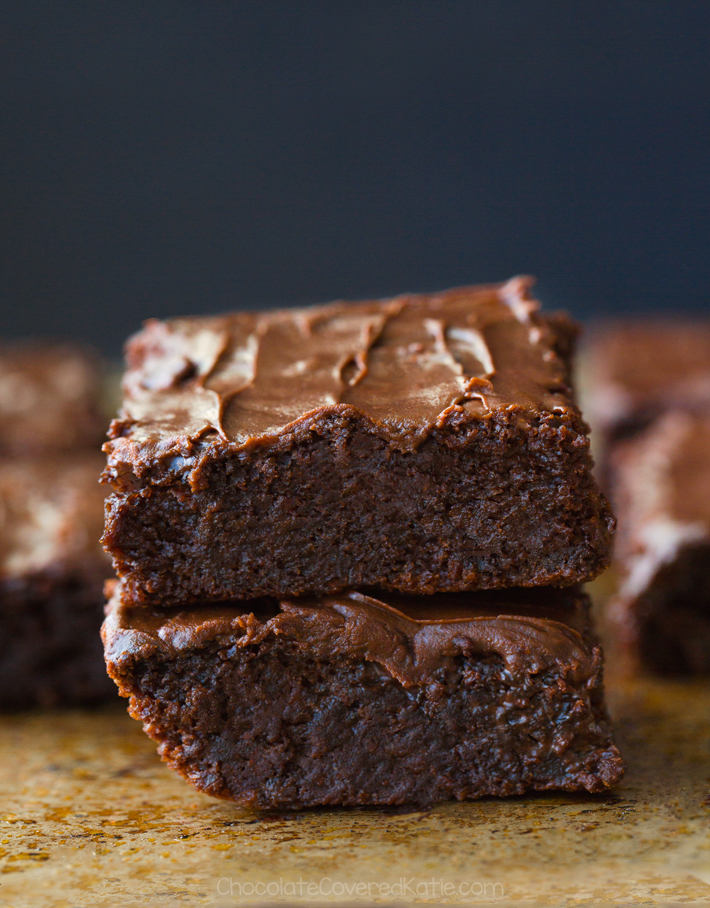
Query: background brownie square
x,y
52,570
637,370
50,398
661,489
422,443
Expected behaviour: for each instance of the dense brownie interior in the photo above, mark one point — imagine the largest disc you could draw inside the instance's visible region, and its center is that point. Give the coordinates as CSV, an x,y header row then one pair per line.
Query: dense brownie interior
x,y
671,627
496,503
50,649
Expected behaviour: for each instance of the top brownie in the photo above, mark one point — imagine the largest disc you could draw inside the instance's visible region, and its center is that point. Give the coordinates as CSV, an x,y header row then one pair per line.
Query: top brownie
x,y
639,369
423,443
49,398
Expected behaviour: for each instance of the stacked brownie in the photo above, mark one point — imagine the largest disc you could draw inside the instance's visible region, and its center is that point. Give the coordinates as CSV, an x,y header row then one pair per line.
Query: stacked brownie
x,y
52,568
349,542
649,394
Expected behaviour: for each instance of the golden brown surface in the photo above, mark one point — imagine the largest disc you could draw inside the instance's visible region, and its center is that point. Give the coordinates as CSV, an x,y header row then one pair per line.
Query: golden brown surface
x,y
89,816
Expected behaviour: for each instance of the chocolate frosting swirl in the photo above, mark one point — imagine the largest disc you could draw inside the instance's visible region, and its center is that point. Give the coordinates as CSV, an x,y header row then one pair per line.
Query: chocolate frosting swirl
x,y
406,364
535,628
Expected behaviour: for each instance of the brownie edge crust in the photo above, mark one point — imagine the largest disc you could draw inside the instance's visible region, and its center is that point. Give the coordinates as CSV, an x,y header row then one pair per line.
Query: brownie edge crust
x,y
353,699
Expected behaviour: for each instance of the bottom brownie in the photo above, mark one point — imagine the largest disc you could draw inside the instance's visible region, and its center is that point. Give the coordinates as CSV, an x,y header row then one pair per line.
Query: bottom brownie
x,y
353,699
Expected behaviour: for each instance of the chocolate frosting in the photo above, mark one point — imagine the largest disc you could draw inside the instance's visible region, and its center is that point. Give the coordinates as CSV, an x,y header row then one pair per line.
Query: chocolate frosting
x,y
638,368
406,364
664,495
51,514
534,628
49,397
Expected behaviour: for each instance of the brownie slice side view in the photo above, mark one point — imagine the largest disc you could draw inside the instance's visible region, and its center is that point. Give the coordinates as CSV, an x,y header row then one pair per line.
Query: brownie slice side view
x,y
353,699
52,571
423,444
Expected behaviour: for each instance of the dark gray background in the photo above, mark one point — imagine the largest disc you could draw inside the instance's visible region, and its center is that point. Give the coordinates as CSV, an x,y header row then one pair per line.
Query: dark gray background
x,y
170,157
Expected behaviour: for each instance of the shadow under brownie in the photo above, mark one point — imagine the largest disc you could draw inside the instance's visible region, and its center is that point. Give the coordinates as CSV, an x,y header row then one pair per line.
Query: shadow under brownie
x,y
367,699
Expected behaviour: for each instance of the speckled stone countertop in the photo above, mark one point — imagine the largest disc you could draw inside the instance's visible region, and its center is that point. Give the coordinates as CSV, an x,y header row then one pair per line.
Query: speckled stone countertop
x,y
90,817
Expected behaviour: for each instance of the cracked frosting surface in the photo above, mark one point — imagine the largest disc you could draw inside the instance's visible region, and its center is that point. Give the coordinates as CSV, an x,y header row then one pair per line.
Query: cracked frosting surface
x,y
407,364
